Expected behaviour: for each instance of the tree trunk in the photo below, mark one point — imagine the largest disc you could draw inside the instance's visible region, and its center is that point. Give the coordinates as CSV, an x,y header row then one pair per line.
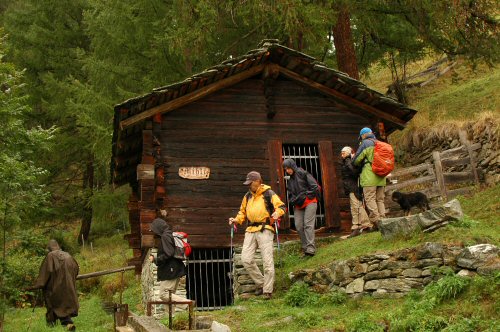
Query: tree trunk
x,y
344,46
88,186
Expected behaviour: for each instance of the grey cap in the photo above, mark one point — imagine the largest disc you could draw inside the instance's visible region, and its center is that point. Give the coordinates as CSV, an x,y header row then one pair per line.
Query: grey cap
x,y
252,176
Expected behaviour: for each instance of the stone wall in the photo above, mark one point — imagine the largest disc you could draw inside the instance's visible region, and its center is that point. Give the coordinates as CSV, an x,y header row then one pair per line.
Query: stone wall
x,y
416,147
151,287
243,285
395,274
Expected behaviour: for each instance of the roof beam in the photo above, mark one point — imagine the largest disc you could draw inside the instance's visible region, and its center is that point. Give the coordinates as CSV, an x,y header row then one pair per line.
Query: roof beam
x,y
193,96
342,98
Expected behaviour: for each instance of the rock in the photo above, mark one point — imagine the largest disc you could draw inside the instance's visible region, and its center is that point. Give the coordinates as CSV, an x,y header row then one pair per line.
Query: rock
x,y
203,322
412,273
478,256
359,269
219,327
430,250
488,269
341,271
378,275
356,286
428,220
429,262
372,267
466,273
323,276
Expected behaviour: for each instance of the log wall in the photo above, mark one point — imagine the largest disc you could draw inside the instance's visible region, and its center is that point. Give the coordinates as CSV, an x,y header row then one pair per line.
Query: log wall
x,y
229,132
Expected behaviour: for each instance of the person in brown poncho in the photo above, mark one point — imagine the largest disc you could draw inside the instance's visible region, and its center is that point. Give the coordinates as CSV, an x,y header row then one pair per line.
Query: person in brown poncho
x,y
57,279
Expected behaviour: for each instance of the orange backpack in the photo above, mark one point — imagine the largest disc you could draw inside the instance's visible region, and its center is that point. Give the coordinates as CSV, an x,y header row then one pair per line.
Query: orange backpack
x,y
383,158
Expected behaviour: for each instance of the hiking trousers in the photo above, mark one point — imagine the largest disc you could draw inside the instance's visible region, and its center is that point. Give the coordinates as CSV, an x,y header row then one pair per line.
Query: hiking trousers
x,y
171,285
359,216
305,219
374,199
263,241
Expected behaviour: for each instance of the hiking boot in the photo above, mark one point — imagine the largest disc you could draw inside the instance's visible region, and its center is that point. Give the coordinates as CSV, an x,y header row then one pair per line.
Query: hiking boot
x,y
268,296
71,327
355,232
258,291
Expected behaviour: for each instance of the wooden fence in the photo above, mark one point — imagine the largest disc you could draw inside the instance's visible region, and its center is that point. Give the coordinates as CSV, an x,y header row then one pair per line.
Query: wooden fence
x,y
451,173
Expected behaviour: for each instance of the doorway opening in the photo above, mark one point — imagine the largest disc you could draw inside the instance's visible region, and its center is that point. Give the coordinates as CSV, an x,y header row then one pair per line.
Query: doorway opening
x,y
307,157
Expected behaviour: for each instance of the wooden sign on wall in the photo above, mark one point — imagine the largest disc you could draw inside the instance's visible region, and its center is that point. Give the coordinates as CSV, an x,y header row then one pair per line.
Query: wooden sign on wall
x,y
194,173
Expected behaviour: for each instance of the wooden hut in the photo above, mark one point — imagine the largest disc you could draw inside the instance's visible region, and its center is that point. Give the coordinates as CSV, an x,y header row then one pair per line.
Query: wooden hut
x,y
187,147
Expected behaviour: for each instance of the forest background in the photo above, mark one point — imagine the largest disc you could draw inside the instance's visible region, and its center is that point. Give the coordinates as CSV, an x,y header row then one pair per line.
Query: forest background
x,y
66,63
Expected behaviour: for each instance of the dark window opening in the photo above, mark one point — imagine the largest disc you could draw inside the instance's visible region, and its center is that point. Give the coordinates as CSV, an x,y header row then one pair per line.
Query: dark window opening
x,y
307,157
208,280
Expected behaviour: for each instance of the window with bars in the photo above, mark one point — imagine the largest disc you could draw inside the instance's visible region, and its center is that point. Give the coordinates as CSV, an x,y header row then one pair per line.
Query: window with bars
x,y
307,157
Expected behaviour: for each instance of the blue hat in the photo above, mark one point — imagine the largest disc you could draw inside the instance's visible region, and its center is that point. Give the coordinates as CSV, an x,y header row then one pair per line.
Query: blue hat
x,y
365,130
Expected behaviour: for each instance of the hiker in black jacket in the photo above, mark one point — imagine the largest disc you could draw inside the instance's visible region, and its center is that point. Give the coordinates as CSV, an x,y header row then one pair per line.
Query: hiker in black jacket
x,y
170,269
350,179
303,194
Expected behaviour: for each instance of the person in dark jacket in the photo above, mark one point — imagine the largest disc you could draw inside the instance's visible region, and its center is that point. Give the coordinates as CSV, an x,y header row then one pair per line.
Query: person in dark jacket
x,y
57,279
350,177
303,194
170,269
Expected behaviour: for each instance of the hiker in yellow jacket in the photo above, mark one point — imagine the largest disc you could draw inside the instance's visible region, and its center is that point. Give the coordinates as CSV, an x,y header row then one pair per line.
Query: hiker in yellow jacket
x,y
261,207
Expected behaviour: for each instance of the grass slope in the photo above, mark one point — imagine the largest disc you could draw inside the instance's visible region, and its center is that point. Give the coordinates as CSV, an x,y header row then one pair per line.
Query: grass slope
x,y
475,308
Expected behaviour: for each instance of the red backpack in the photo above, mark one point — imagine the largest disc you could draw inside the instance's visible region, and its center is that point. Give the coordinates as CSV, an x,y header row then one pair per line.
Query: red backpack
x,y
383,158
182,246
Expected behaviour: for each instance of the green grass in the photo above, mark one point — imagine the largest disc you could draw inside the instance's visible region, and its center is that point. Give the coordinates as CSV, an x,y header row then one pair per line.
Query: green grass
x,y
92,318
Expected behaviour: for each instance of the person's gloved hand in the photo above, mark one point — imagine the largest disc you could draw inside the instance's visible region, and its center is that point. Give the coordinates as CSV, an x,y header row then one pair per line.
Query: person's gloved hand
x,y
275,215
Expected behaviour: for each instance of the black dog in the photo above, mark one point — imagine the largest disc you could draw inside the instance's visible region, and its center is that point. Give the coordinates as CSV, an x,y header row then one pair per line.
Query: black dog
x,y
407,201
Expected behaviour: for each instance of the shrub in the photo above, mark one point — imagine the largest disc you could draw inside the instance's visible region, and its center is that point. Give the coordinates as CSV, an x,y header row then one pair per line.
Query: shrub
x,y
300,295
363,323
446,288
334,297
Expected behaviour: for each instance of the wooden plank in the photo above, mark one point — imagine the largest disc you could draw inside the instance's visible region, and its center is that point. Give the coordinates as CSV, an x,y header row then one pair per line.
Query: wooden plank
x,y
452,152
190,97
145,171
457,177
455,162
411,182
410,170
277,182
439,174
330,190
463,138
342,98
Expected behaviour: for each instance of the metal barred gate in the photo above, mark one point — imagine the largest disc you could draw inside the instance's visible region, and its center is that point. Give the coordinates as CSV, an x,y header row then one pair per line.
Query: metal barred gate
x,y
208,280
307,157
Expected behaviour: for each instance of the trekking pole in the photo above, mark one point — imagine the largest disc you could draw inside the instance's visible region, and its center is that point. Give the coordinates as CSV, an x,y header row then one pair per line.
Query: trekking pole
x,y
233,229
276,226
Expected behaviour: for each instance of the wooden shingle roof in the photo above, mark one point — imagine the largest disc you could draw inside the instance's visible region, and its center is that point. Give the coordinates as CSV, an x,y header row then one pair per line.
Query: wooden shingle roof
x,y
130,115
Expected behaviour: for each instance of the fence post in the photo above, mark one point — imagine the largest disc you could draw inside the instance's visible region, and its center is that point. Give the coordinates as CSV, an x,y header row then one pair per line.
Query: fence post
x,y
465,142
439,174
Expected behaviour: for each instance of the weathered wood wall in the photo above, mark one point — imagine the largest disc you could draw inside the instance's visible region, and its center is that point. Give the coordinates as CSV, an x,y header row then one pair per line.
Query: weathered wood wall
x,y
229,132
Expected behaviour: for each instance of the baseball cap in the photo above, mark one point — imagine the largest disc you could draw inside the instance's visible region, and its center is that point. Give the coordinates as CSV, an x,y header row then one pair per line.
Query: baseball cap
x,y
252,176
365,130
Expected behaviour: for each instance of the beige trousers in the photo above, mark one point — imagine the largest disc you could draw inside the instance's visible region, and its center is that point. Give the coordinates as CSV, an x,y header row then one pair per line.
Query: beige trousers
x,y
358,212
171,285
374,199
263,241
